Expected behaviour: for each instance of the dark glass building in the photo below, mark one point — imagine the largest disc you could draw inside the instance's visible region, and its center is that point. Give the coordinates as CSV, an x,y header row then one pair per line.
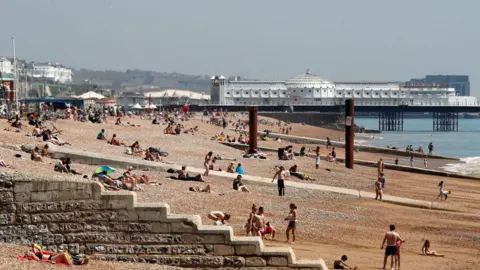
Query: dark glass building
x,y
459,82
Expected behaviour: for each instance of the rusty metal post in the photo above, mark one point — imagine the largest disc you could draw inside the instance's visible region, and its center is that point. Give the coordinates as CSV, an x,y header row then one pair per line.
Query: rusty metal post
x,y
253,128
349,132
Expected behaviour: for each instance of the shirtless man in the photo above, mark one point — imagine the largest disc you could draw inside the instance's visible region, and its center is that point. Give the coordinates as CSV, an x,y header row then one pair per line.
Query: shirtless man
x,y
391,238
380,166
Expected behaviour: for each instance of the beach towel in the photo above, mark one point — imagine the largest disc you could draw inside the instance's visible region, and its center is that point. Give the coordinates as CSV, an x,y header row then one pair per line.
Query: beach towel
x,y
23,258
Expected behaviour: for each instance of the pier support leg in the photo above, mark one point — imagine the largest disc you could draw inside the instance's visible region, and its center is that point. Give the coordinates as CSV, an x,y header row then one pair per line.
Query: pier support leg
x,y
349,132
445,121
390,121
253,129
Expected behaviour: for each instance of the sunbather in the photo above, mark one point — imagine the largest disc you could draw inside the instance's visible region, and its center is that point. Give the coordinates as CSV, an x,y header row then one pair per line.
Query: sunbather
x,y
207,189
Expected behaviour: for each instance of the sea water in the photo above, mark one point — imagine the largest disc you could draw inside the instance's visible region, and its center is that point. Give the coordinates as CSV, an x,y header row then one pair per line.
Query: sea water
x,y
464,144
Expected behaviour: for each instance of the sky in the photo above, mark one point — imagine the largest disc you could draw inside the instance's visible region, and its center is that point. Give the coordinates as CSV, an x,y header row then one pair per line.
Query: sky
x,y
269,39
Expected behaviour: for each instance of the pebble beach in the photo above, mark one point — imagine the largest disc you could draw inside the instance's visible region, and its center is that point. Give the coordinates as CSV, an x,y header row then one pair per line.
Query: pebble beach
x,y
330,224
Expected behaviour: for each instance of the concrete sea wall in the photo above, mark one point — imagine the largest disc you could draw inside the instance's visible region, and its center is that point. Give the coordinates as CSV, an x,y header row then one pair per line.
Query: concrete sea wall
x,y
82,217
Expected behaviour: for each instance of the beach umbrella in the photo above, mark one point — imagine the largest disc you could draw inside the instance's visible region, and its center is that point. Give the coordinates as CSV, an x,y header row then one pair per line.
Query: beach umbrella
x,y
107,169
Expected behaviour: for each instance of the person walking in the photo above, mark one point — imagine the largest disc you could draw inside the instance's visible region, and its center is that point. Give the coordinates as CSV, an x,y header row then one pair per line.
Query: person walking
x,y
281,174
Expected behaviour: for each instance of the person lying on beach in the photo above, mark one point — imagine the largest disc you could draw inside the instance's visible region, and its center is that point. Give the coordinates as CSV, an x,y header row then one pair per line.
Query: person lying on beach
x,y
219,217
37,130
183,175
341,264
48,137
294,171
37,254
238,185
207,189
427,252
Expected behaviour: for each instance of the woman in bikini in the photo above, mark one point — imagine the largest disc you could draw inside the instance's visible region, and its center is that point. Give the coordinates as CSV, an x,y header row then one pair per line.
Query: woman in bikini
x,y
206,163
292,222
39,255
426,250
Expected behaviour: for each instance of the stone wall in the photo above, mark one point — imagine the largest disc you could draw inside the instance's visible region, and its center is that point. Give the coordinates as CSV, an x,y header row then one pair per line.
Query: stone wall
x,y
80,216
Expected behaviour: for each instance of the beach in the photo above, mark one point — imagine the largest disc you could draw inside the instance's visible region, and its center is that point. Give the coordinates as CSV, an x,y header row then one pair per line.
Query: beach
x,y
330,224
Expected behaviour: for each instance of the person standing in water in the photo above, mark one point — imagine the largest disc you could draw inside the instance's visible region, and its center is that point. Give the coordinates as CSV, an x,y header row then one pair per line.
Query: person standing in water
x,y
292,222
391,238
281,175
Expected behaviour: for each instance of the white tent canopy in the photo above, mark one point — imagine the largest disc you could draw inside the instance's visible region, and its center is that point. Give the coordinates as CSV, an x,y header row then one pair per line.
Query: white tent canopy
x,y
136,106
91,94
150,106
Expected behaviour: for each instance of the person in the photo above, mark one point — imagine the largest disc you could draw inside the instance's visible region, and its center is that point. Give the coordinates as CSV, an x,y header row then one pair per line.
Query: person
x,y
219,217
334,154
317,157
292,222
383,180
281,175
380,166
269,229
294,171
101,135
397,254
34,156
430,148
60,167
231,168
441,185
396,161
427,252
249,226
425,163
206,163
36,253
114,140
378,189
207,189
183,175
135,147
238,185
411,161
391,239
329,143
44,152
341,264
239,169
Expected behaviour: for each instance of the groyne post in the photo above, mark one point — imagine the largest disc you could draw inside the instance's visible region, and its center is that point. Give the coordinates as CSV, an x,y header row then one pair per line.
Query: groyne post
x,y
253,128
349,132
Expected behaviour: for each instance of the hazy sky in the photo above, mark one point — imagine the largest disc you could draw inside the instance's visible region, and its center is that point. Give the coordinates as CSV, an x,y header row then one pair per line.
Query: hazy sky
x,y
339,40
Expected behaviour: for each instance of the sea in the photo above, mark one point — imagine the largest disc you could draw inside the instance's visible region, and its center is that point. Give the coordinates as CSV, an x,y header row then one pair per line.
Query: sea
x,y
463,144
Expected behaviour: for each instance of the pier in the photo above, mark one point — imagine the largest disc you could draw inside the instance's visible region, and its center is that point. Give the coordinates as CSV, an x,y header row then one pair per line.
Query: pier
x,y
390,118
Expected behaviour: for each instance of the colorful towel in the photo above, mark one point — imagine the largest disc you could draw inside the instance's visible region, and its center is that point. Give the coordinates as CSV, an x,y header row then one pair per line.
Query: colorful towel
x,y
23,258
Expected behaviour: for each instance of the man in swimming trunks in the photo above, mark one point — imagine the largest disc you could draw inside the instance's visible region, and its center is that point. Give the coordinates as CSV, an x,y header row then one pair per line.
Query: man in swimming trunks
x,y
391,238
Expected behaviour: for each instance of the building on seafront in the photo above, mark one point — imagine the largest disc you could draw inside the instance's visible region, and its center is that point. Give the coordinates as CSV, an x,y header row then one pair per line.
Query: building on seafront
x,y
310,89
461,83
161,98
42,71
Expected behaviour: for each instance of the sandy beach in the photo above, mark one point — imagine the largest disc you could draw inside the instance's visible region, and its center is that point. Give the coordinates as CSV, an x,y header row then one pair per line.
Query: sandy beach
x,y
330,224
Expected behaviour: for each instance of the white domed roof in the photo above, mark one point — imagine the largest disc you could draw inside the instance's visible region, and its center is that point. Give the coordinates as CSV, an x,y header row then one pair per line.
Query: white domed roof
x,y
308,80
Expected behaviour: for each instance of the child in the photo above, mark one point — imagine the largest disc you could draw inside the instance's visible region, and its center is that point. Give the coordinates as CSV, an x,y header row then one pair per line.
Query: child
x,y
292,222
425,163
269,229
340,264
397,255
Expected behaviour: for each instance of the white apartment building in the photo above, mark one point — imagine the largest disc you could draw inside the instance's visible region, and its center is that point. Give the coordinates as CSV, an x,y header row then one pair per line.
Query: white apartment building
x,y
54,72
6,67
